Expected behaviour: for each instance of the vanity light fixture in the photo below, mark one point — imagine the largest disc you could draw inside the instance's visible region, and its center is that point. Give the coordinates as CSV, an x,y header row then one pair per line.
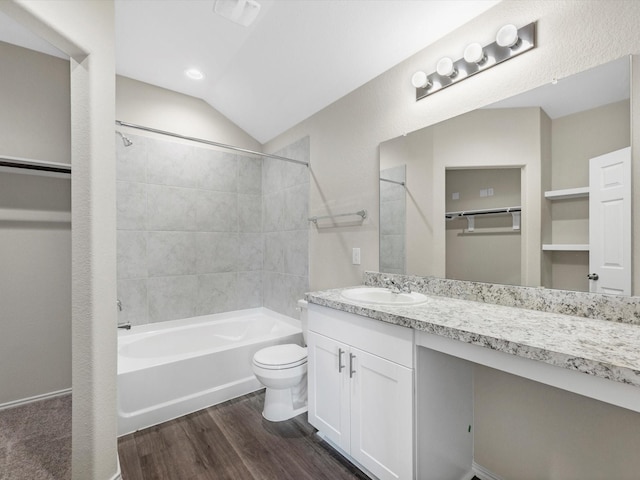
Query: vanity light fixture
x,y
510,42
507,36
420,80
445,68
474,53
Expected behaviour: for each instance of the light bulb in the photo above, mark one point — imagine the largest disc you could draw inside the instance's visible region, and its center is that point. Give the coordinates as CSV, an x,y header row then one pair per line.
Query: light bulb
x,y
507,36
445,68
474,54
420,80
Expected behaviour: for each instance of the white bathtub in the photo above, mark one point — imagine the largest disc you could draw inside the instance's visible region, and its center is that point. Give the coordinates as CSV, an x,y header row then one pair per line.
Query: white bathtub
x,y
169,369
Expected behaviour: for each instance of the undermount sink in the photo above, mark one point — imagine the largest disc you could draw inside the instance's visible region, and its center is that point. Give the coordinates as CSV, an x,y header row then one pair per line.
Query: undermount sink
x,y
382,296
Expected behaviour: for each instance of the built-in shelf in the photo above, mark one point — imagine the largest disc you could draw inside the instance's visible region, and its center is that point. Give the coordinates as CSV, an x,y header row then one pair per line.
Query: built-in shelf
x,y
566,247
567,193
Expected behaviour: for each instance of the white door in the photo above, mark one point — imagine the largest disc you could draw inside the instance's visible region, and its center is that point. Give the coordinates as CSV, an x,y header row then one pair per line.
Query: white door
x,y
610,223
328,381
381,415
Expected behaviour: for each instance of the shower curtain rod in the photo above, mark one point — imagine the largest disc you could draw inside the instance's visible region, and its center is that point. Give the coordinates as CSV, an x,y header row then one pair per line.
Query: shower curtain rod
x,y
209,142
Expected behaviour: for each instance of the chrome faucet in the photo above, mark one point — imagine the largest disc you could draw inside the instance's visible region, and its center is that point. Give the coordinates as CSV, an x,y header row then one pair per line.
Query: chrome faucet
x,y
125,325
396,286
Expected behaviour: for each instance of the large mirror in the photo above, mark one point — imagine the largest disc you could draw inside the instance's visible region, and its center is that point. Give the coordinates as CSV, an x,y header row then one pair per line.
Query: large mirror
x,y
500,194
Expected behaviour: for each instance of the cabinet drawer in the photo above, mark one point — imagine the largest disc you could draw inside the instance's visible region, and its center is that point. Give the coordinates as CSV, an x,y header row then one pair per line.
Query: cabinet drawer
x,y
385,340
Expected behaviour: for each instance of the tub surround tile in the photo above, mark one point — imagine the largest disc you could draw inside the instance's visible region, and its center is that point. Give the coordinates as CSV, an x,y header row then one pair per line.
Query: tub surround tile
x,y
131,254
596,347
250,213
131,161
273,252
273,208
216,252
132,294
296,208
216,211
216,170
249,175
295,246
131,206
249,289
170,163
171,253
217,293
171,208
172,298
250,252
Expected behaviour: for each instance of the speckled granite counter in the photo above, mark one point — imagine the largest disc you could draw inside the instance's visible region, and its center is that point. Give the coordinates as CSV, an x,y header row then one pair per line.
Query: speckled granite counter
x,y
600,348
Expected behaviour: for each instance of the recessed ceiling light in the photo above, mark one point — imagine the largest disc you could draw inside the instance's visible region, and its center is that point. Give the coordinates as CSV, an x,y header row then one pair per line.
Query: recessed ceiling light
x,y
194,74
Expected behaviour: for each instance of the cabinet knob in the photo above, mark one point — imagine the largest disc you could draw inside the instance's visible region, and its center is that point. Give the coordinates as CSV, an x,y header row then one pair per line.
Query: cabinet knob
x,y
593,276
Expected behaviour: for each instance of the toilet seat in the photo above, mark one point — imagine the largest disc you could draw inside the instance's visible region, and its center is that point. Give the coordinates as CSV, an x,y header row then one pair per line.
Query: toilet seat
x,y
280,357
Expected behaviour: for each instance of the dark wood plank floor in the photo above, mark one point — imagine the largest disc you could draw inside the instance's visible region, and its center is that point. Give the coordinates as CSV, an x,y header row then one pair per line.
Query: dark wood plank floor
x,y
231,441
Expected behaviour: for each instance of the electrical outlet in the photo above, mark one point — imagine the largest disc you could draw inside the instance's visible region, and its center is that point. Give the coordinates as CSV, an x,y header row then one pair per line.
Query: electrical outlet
x,y
355,256
455,196
489,192
483,192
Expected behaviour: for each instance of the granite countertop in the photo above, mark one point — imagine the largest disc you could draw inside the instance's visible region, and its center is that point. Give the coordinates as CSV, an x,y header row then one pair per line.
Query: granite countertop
x,y
606,349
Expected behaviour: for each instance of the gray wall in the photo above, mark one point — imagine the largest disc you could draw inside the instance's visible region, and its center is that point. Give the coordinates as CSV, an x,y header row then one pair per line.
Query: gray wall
x,y
35,256
197,227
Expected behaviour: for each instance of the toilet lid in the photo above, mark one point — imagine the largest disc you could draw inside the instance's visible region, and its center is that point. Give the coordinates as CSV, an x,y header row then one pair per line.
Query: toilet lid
x,y
281,356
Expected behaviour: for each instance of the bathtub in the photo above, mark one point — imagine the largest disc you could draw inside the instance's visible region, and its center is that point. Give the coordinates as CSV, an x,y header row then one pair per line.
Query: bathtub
x,y
170,369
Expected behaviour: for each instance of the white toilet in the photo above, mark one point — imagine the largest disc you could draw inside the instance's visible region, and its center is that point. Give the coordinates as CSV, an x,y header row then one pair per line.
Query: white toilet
x,y
283,370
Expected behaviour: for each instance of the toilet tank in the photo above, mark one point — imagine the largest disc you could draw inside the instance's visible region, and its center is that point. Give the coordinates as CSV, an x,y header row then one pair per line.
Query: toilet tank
x,y
304,318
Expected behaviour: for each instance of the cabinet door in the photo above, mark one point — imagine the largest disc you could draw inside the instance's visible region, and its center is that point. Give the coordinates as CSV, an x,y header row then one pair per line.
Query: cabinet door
x,y
328,380
381,415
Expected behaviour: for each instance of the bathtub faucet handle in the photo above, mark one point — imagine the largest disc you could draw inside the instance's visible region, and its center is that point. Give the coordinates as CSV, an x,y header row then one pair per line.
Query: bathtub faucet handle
x,y
119,303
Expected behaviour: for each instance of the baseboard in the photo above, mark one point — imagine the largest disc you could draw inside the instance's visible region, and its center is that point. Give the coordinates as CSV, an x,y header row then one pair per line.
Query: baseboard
x,y
36,398
484,474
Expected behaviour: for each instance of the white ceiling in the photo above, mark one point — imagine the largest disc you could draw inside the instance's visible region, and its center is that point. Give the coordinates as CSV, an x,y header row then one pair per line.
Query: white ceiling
x,y
297,58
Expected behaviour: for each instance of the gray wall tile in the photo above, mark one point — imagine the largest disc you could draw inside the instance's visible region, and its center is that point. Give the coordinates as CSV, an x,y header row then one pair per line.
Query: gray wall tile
x,y
172,298
132,293
249,289
249,213
273,212
171,208
296,252
249,252
131,161
171,253
171,163
217,170
216,252
273,253
249,175
296,208
132,254
217,293
131,205
216,211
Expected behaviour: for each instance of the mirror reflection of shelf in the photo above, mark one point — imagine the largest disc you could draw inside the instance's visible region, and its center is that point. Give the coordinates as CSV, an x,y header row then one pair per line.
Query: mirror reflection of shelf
x,y
565,247
567,193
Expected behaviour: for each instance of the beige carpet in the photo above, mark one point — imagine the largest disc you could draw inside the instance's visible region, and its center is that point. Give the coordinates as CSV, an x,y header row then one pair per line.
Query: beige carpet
x,y
35,440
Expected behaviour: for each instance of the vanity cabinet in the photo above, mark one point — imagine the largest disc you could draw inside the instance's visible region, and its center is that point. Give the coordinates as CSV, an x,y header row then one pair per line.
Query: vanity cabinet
x,y
360,374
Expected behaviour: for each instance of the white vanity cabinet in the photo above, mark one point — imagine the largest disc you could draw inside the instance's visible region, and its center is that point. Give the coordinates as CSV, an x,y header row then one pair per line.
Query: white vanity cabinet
x,y
360,374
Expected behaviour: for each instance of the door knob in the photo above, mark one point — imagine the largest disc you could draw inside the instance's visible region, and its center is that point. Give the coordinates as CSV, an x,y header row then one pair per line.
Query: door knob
x,y
593,276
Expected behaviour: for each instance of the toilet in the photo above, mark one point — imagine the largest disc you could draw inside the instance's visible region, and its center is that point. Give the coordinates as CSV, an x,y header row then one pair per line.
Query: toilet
x,y
282,369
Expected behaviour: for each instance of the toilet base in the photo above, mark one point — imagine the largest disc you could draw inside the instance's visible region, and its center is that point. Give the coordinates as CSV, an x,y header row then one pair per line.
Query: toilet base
x,y
286,403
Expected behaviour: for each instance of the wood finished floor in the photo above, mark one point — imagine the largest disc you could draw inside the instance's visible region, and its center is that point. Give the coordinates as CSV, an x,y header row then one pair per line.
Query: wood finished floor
x,y
231,441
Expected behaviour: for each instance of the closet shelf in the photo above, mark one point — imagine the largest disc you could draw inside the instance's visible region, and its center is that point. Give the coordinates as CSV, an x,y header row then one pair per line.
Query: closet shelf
x,y
567,193
565,247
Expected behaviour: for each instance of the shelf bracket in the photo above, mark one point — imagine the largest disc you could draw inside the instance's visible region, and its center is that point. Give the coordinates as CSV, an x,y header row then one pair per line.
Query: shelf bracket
x,y
471,223
516,220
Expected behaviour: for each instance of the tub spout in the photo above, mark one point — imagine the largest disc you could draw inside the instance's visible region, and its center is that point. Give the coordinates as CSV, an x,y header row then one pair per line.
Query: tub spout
x,y
126,326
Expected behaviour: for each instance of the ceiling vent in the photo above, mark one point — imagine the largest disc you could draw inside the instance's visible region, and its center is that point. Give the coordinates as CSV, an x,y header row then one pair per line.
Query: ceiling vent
x,y
243,12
